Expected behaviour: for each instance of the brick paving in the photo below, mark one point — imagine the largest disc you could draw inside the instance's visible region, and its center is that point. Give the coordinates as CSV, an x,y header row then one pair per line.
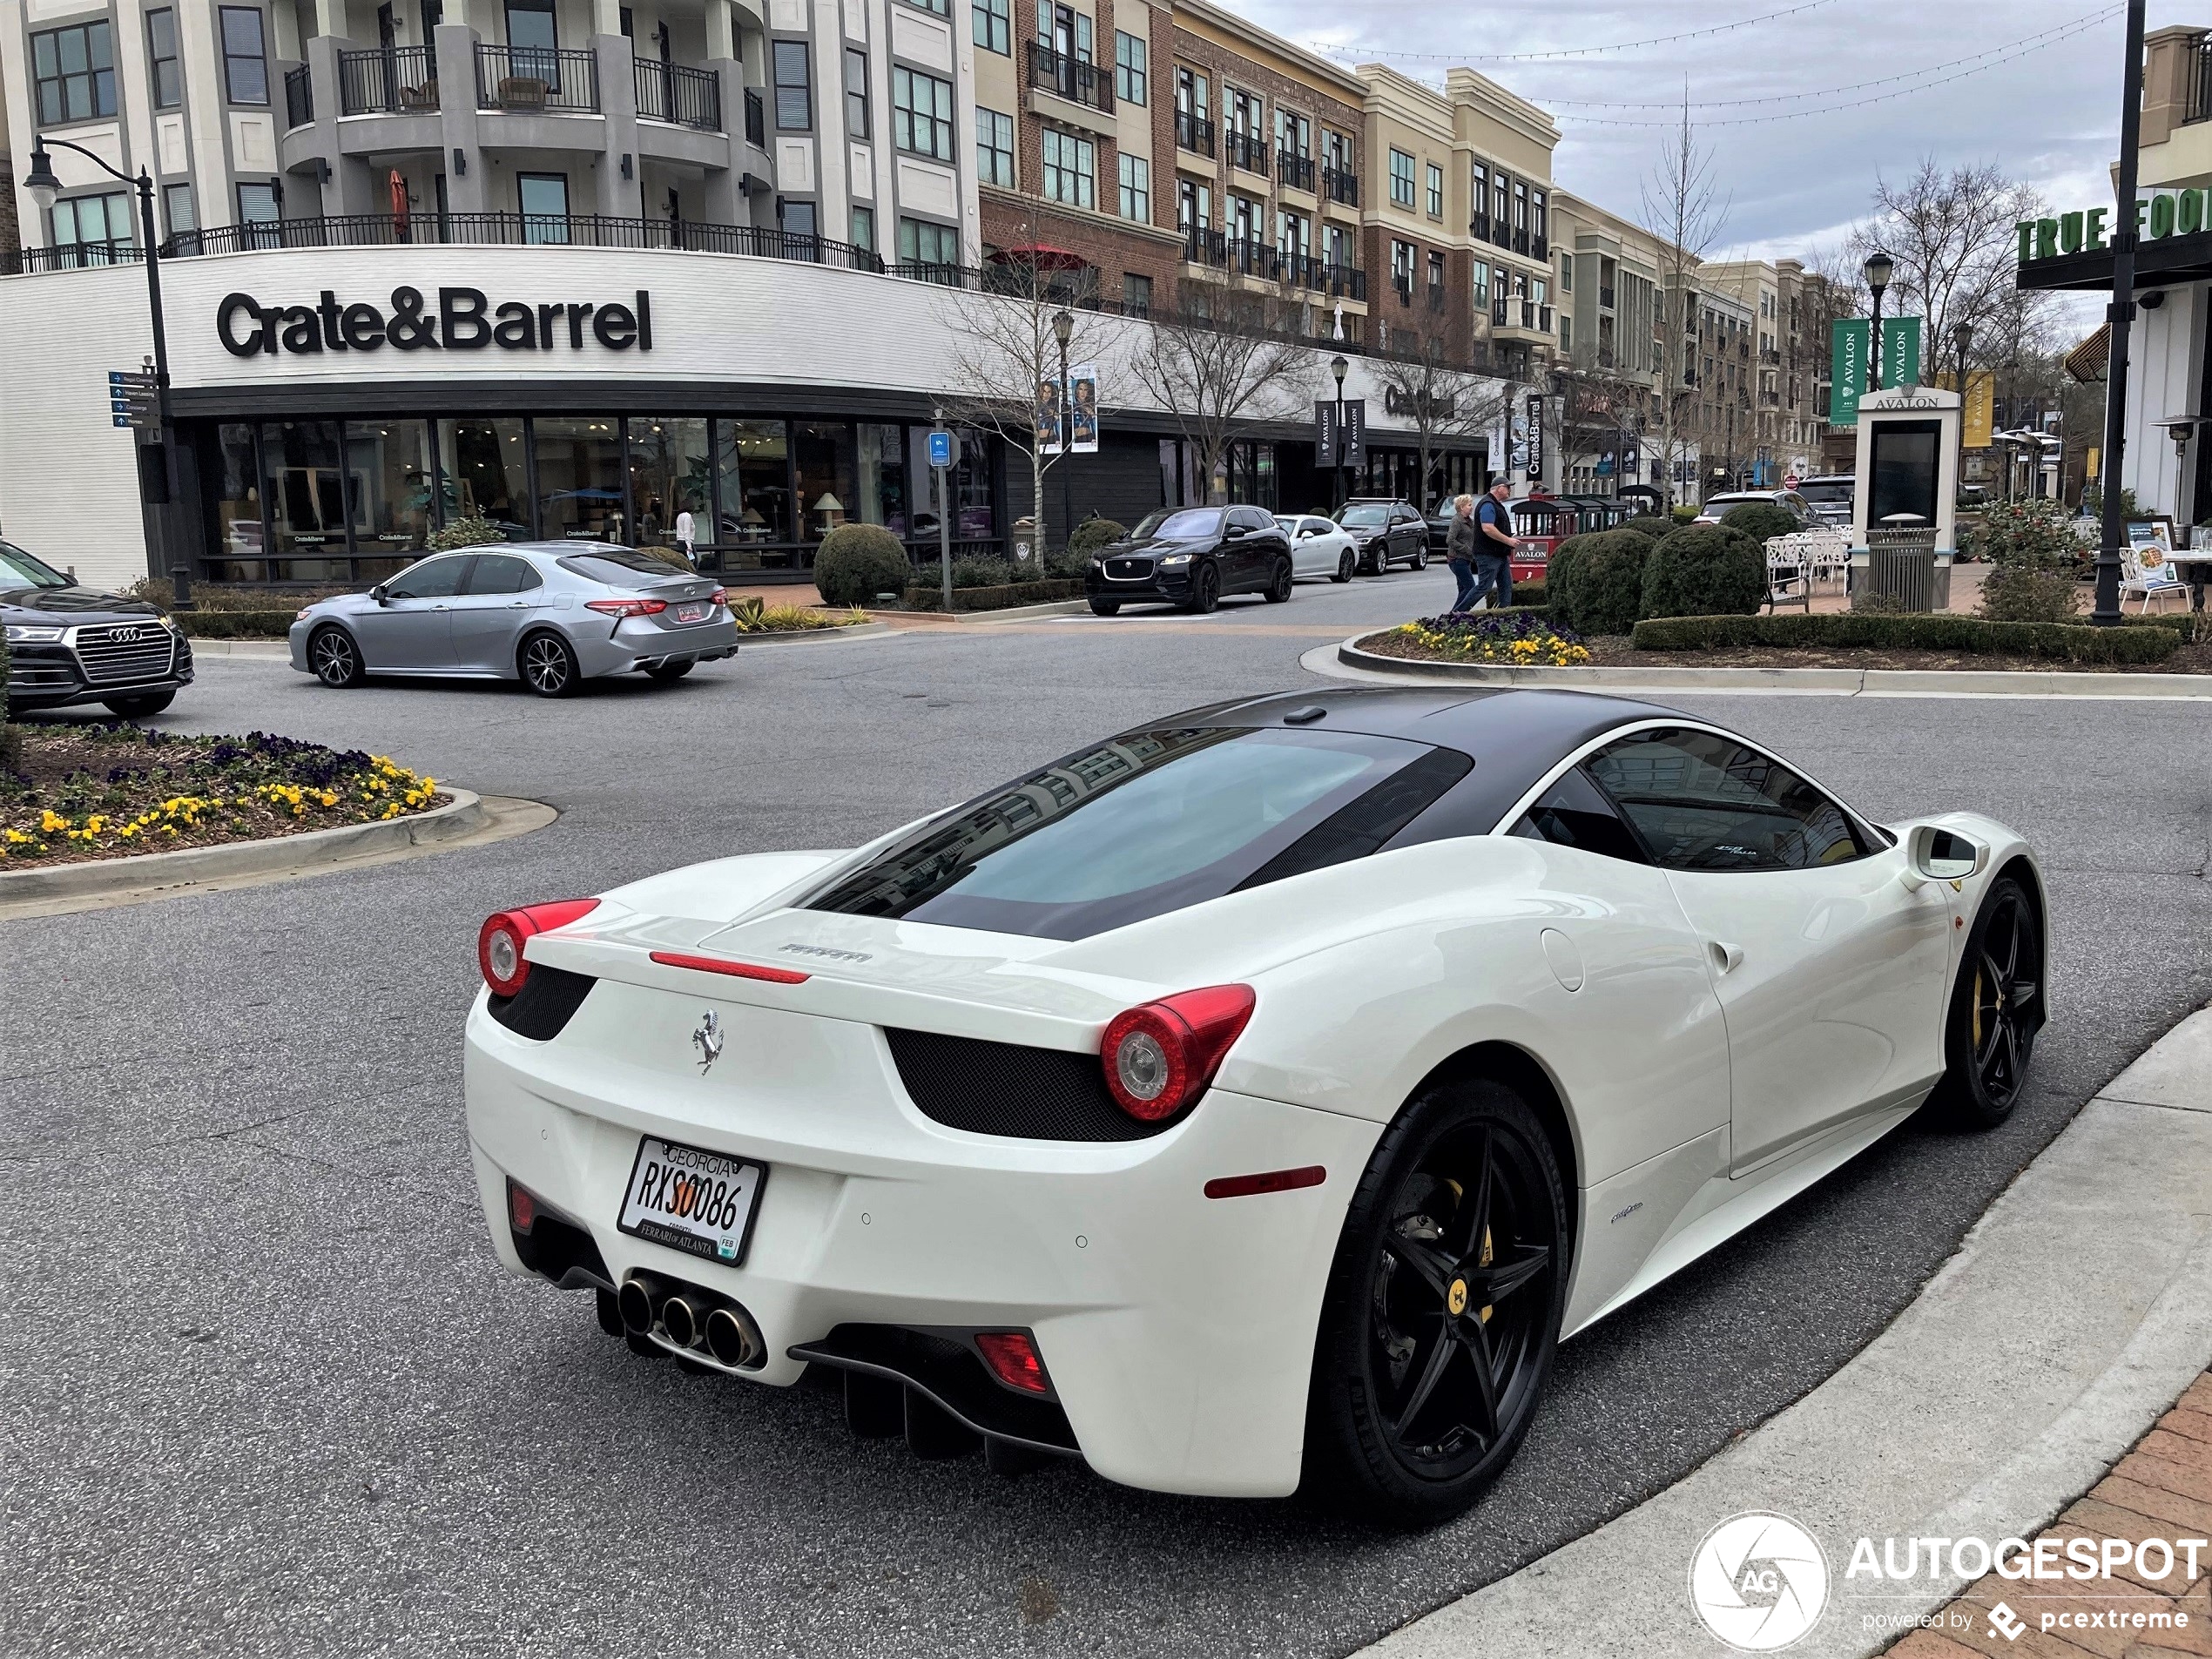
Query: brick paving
x,y
2162,1488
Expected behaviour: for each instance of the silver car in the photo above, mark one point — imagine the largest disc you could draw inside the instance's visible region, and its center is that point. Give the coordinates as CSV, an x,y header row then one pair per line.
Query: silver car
x,y
551,614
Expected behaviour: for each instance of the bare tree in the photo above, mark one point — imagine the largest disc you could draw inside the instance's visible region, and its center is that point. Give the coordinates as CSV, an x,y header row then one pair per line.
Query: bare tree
x,y
1006,356
1683,208
1221,364
1602,409
1441,401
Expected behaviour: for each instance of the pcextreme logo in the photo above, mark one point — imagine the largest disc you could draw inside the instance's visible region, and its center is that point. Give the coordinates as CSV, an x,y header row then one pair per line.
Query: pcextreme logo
x,y
1759,1582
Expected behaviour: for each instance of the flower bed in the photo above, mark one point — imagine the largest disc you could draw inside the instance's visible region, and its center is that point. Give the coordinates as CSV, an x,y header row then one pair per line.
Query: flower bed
x,y
1514,639
2062,641
80,793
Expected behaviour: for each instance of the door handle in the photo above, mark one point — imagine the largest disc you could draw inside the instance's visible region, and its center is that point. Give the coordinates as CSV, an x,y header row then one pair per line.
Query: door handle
x,y
518,604
1726,957
441,607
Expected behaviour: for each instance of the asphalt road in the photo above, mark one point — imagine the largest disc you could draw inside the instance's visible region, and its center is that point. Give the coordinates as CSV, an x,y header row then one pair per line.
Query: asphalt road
x,y
263,1390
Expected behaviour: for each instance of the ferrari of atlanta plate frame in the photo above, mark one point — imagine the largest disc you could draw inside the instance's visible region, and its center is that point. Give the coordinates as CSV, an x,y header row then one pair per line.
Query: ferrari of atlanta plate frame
x,y
1250,1100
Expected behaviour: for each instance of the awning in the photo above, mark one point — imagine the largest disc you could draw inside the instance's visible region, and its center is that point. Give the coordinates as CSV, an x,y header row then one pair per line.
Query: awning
x,y
2091,361
2160,264
1043,257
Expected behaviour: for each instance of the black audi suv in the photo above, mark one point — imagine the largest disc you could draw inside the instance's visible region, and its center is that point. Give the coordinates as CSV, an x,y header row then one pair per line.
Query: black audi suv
x,y
70,644
1190,557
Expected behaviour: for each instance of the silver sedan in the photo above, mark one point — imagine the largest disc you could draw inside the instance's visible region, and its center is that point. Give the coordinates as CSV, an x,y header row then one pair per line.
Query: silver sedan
x,y
551,614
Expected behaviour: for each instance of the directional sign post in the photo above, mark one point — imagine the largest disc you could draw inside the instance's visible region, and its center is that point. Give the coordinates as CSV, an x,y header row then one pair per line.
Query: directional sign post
x,y
944,455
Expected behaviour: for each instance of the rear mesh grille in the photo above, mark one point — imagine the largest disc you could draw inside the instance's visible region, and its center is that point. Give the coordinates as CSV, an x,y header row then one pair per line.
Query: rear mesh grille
x,y
128,652
549,999
1005,1089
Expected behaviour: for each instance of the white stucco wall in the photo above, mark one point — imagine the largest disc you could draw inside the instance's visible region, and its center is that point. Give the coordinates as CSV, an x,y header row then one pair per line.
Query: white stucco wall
x,y
2165,348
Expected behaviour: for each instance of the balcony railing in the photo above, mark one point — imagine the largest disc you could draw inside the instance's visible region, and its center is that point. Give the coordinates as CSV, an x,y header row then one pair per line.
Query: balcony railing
x,y
78,256
2199,103
1479,228
1295,170
1346,281
299,97
1605,299
1070,78
528,80
1248,151
1250,257
688,98
1339,186
1540,247
1501,232
1436,296
1203,246
391,80
1193,132
756,120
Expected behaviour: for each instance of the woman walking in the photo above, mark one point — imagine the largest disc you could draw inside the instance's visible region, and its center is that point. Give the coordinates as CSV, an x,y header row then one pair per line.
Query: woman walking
x,y
1459,550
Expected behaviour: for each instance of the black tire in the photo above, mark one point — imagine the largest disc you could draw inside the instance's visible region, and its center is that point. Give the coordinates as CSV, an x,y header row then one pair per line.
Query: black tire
x,y
1278,590
140,707
548,666
670,671
1996,1009
1205,591
1105,607
335,658
1457,1233
1345,565
1420,557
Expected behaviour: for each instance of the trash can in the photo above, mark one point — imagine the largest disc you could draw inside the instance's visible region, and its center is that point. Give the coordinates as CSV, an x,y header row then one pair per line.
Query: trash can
x,y
1025,541
1901,565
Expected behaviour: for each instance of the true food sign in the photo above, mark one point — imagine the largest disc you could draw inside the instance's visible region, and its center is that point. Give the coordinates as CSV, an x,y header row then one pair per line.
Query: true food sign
x,y
462,320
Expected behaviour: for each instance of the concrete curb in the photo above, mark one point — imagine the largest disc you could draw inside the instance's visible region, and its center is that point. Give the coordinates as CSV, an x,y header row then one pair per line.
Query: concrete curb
x,y
196,866
1831,682
2072,1315
273,650
1012,613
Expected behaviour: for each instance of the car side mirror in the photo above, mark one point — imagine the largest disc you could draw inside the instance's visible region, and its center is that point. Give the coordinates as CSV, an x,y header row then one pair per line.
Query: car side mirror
x,y
378,594
1236,530
1933,854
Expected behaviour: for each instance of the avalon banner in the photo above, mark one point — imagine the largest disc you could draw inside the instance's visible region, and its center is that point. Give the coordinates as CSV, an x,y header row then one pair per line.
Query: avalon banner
x,y
1847,370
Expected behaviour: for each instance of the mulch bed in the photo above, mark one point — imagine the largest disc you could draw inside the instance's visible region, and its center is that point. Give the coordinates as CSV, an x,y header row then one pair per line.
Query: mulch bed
x,y
1613,652
81,793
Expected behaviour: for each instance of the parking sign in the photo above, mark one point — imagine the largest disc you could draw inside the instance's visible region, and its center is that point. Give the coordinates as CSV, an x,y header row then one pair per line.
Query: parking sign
x,y
940,447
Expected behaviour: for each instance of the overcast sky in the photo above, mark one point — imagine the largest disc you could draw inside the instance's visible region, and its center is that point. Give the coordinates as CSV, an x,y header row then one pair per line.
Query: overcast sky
x,y
2052,115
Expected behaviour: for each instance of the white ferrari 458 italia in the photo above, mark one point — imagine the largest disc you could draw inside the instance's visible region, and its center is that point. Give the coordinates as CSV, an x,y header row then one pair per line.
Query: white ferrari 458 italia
x,y
1248,1101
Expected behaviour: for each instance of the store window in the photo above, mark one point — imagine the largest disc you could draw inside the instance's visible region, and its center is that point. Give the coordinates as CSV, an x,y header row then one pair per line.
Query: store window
x,y
485,468
579,478
670,473
794,89
828,490
161,50
388,463
995,148
245,58
883,478
73,73
752,469
304,480
239,546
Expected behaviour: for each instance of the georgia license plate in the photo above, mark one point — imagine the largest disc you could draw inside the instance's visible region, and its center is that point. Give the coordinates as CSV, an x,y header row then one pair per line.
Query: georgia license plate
x,y
696,612
691,1200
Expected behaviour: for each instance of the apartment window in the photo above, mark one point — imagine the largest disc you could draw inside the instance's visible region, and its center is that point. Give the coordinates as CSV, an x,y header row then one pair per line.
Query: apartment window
x,y
1191,94
1435,274
942,7
1136,294
923,243
856,94
1136,188
1479,199
1481,286
1401,178
92,218
73,72
1566,273
1246,113
1500,207
183,212
921,113
863,235
1336,246
1293,133
1065,31
1193,207
533,36
794,90
1435,191
1294,234
1131,59
797,218
993,32
1540,217
1336,151
161,47
245,59
1068,175
1520,215
995,148
1401,267
544,198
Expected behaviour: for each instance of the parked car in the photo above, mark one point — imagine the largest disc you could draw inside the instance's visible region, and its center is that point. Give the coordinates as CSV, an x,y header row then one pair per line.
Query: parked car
x,y
1319,546
551,614
1830,497
1789,501
1188,558
1251,1098
1387,531
70,645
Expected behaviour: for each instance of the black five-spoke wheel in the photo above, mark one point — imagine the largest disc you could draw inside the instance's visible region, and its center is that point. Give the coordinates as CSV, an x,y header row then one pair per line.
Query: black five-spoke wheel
x,y
1444,1305
1996,1010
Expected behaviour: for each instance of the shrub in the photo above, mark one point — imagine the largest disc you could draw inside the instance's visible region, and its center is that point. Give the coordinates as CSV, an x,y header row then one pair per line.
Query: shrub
x,y
928,597
1705,571
465,532
1093,533
2093,502
1596,580
234,625
985,573
2059,641
2033,534
1683,513
2013,593
1759,520
857,562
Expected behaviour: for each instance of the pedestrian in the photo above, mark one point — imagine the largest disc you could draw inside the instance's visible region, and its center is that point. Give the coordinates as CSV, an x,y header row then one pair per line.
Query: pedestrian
x,y
1459,549
687,532
1494,549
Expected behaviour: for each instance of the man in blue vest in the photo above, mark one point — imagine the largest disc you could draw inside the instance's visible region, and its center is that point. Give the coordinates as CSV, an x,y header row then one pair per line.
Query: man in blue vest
x,y
1493,547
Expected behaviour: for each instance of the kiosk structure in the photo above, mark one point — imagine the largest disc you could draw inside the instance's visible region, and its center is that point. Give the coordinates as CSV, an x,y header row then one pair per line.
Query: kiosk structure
x,y
1905,520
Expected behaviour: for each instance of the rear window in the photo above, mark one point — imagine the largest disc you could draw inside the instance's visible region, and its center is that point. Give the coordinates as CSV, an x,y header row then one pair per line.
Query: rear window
x,y
625,567
1816,491
1364,516
1147,823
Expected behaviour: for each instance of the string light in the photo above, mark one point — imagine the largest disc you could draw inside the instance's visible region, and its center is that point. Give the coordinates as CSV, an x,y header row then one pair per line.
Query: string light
x,y
1582,51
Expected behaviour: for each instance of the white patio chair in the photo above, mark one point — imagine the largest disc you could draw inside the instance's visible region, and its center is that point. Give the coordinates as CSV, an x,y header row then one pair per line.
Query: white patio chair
x,y
1788,572
2148,580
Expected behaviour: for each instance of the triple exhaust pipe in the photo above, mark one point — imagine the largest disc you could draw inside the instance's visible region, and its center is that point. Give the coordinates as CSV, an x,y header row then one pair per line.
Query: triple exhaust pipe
x,y
690,1317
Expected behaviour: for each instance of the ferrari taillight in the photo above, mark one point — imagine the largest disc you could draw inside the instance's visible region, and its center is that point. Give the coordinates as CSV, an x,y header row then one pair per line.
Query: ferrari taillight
x,y
1012,1356
621,608
1160,1057
499,941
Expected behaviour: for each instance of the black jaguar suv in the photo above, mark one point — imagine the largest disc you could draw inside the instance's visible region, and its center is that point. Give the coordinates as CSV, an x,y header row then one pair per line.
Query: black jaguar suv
x,y
1189,557
69,645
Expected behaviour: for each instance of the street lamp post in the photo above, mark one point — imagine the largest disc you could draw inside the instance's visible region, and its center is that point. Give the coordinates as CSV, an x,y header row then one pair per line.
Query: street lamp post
x,y
1337,366
2121,314
1879,267
1063,325
1962,336
154,486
